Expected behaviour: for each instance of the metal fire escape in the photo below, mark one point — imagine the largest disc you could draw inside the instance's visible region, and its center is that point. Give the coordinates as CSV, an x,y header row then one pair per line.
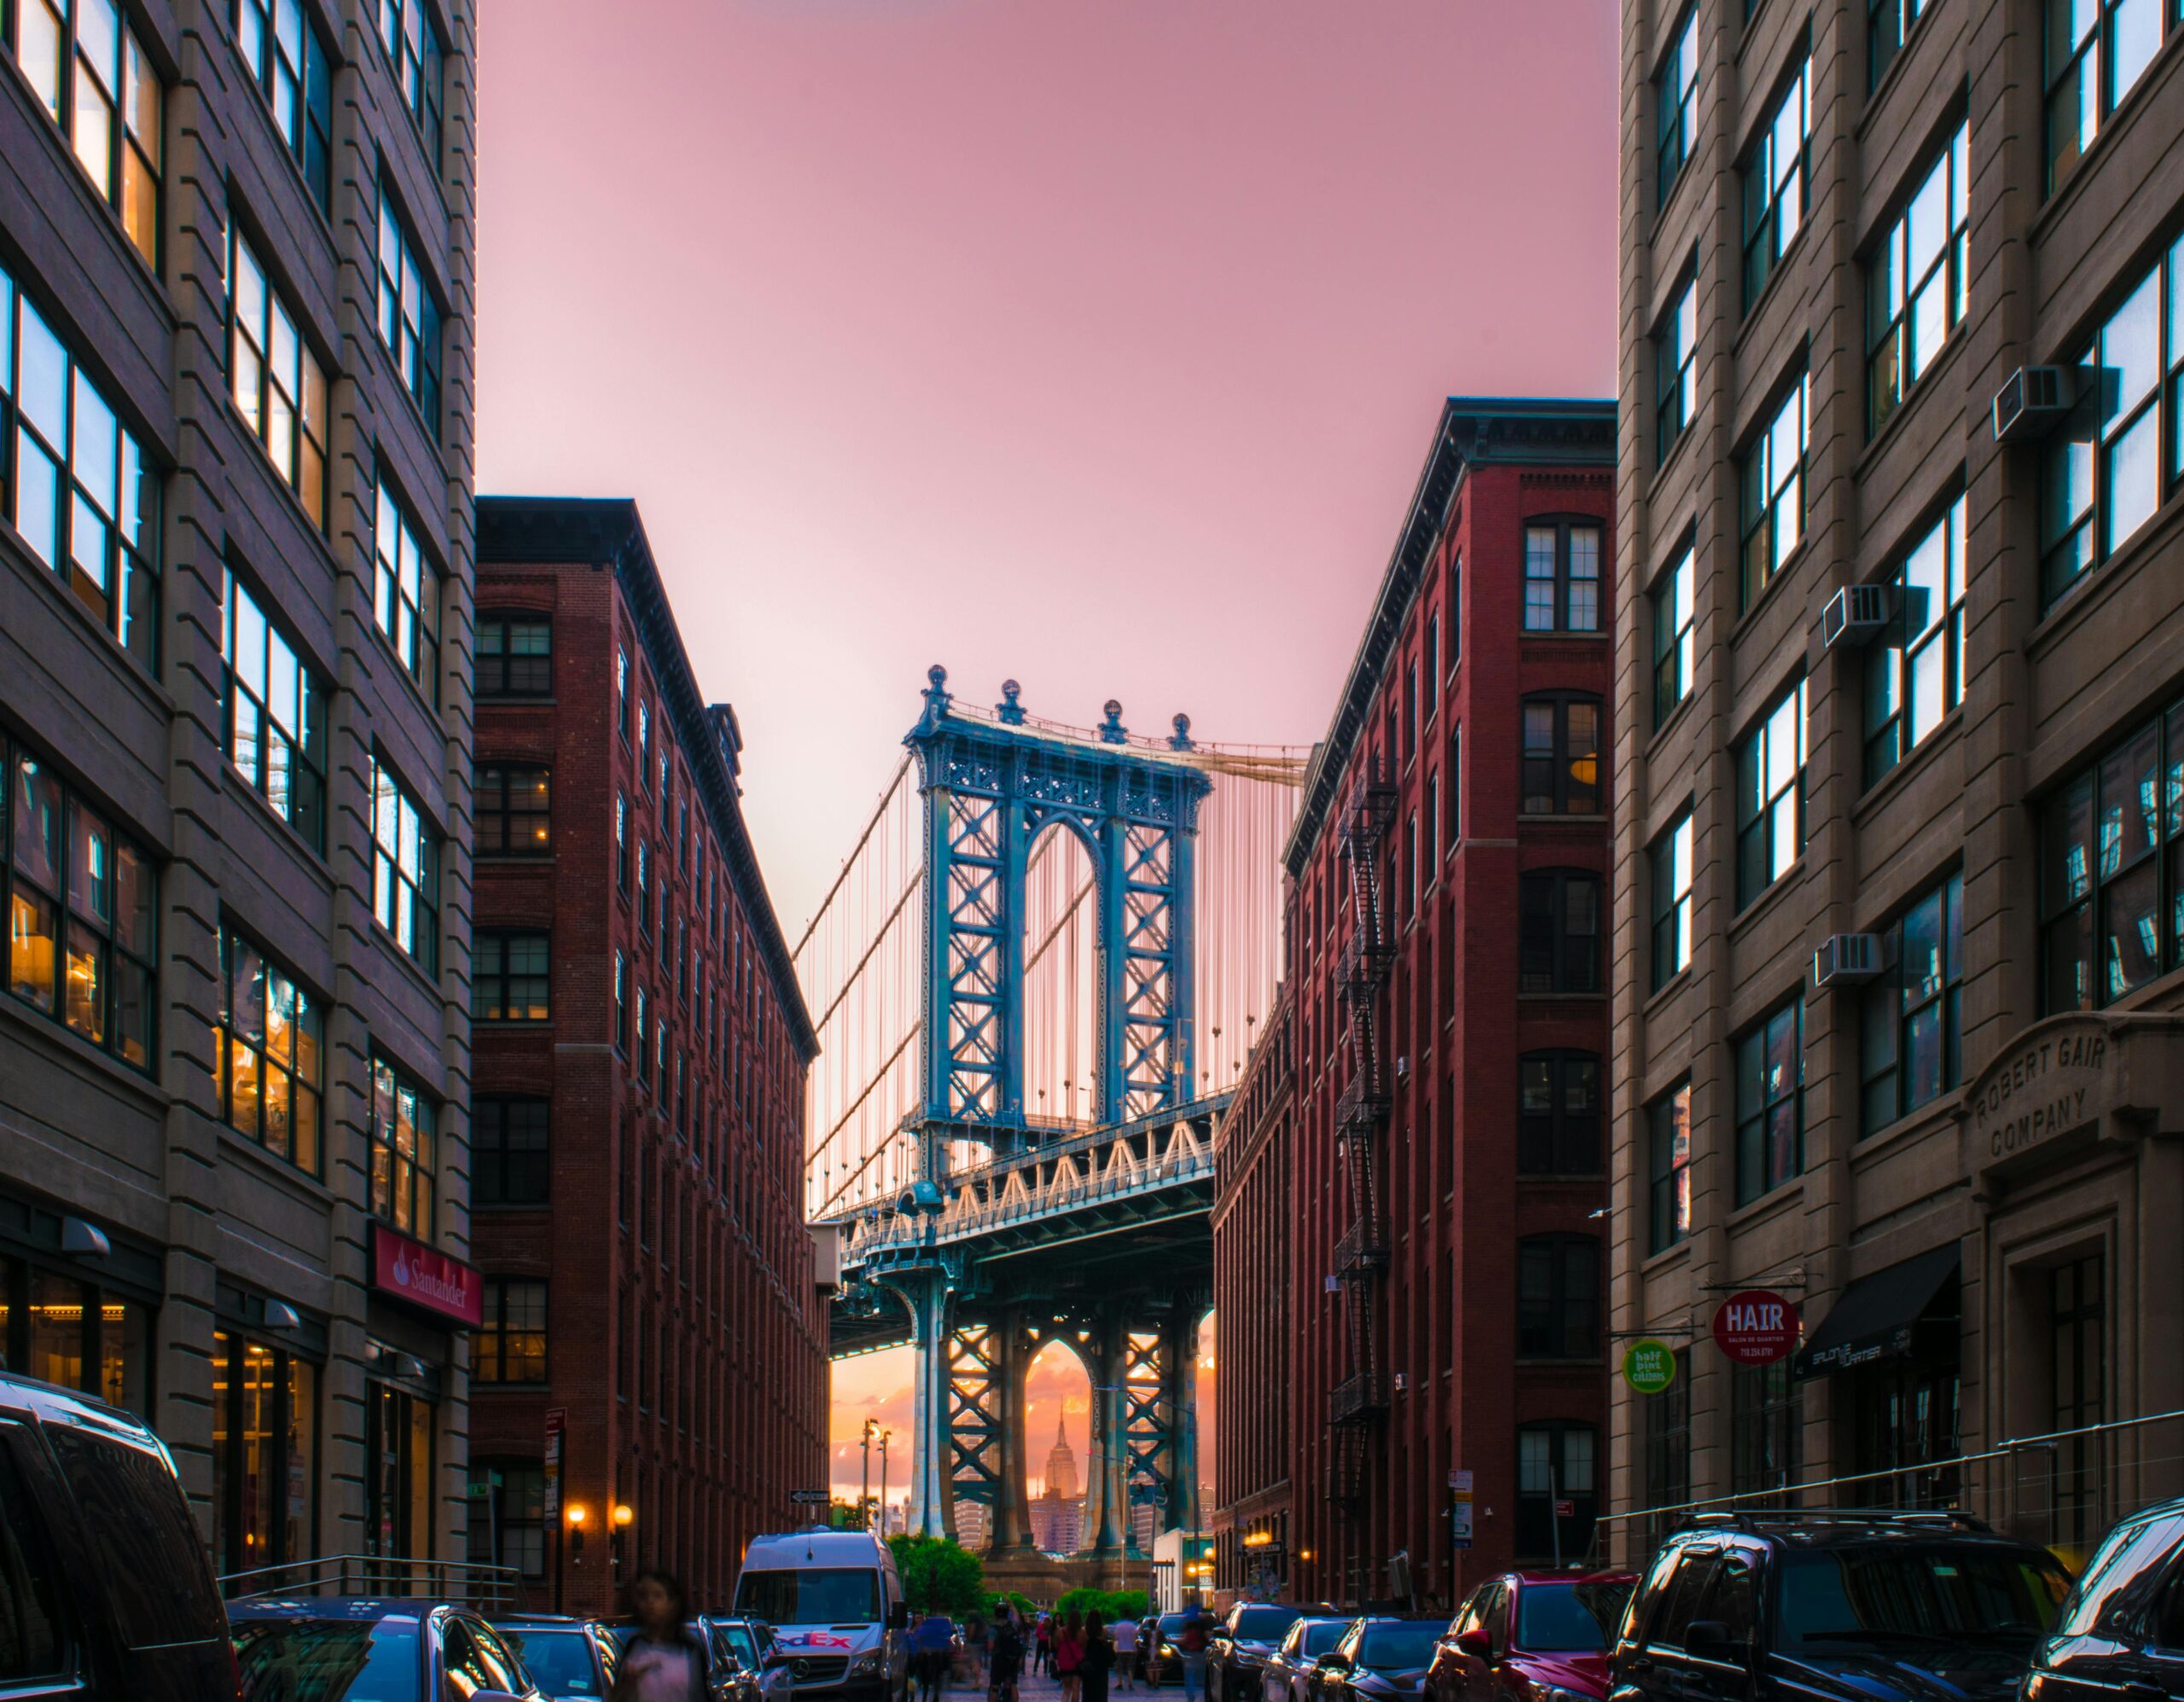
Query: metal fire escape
x,y
1356,1403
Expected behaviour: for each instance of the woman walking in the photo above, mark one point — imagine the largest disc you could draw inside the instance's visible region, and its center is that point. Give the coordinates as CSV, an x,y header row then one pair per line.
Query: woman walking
x,y
663,1663
1069,1657
1098,1658
1007,1654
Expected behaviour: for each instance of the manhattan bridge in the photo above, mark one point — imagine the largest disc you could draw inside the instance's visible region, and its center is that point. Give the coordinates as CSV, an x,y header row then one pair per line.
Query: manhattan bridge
x,y
1036,979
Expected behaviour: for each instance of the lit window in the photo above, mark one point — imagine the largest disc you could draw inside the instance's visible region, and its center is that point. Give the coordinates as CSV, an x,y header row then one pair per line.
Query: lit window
x,y
1888,24
408,317
406,594
1668,1128
278,383
405,871
1562,577
515,655
75,481
276,715
1774,188
1561,755
91,75
1772,495
281,45
1910,1050
515,809
511,1343
1916,676
403,1150
2096,52
1770,1082
510,977
1674,649
81,900
1675,354
1770,797
267,1053
413,47
1916,285
1676,94
1671,869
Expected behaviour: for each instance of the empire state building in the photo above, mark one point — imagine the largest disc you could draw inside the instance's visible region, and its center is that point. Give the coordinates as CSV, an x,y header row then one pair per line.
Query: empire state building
x,y
1058,1513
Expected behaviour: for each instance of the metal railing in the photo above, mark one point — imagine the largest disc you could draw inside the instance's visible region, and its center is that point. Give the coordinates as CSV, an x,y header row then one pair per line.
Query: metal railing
x,y
2061,1490
1357,1397
472,1582
965,1218
1364,1245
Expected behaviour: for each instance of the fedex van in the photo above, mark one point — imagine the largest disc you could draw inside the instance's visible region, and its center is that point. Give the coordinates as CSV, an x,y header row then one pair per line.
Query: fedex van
x,y
835,1602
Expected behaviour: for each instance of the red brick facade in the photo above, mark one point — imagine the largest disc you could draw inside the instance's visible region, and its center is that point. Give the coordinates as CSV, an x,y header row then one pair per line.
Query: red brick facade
x,y
684,1338
1413,1326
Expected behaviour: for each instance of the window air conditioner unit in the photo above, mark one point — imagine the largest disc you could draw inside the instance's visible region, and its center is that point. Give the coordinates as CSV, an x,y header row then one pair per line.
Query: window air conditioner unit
x,y
1402,1068
2032,401
1844,959
1403,1381
1854,615
1331,1284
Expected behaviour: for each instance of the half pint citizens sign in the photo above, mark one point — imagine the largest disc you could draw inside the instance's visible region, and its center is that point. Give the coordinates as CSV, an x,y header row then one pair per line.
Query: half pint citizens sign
x,y
1756,1326
408,1270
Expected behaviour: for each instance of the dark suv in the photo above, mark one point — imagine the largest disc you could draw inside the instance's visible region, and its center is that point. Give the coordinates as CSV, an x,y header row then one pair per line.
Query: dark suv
x,y
102,1573
1865,1607
2120,1637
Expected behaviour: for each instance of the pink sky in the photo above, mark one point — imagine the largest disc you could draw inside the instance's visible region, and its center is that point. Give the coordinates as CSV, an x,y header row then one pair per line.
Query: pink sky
x,y
1095,342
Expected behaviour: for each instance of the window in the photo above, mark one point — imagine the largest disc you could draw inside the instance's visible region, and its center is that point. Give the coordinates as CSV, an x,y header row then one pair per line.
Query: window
x,y
642,1036
621,1003
621,843
509,1154
2111,876
264,1453
1917,284
1670,857
1558,1296
644,886
509,976
515,655
622,693
1668,1123
2077,1318
413,47
644,743
1770,797
1774,188
1455,786
1667,1447
1562,755
1558,1114
515,809
1432,664
1677,96
1456,611
288,60
398,1457
278,383
276,715
406,870
1675,352
1562,577
1909,1411
91,75
508,1509
1912,1016
2106,467
404,1135
1766,1428
1888,23
1772,496
408,317
1558,925
2097,51
81,899
1915,677
267,1053
406,597
75,481
511,1343
1675,648
1770,1074
1555,1466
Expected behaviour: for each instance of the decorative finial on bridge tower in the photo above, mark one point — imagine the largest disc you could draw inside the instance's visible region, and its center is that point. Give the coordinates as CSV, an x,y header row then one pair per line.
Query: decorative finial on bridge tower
x,y
937,700
1010,712
1181,741
1111,730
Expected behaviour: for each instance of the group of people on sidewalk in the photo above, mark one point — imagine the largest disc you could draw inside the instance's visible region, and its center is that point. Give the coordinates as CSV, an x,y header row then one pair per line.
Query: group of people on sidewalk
x,y
1086,1654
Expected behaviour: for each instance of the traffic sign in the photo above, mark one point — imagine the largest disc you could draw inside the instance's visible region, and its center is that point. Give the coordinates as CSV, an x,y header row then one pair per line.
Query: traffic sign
x,y
1756,1326
557,1422
809,1497
1649,1366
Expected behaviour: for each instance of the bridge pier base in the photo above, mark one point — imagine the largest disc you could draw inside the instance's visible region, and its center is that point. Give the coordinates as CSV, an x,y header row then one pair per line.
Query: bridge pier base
x,y
926,1293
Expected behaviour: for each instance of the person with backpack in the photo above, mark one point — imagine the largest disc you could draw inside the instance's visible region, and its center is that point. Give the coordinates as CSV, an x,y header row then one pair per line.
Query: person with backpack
x,y
1007,1654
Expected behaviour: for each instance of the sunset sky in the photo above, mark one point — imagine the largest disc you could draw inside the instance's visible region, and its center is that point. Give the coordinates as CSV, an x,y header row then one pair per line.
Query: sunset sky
x,y
1094,342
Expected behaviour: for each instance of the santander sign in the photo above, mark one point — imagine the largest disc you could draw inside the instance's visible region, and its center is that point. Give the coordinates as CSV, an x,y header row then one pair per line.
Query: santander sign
x,y
425,1277
1756,1326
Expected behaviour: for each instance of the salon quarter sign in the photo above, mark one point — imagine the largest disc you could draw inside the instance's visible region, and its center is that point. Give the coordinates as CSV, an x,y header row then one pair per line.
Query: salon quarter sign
x,y
1756,1326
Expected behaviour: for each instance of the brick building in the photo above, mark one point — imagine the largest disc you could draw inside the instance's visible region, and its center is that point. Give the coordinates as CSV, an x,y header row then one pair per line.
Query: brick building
x,y
237,243
1446,912
641,1054
1900,676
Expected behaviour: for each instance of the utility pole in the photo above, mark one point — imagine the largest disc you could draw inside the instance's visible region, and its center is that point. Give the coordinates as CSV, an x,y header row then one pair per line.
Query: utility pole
x,y
883,1435
864,1496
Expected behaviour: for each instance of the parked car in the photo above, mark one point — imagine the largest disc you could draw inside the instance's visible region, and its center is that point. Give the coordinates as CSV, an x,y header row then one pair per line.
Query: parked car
x,y
102,1571
1238,1648
1530,1637
1381,1659
335,1648
1881,1606
567,1657
2120,1635
1164,1660
1287,1672
739,1647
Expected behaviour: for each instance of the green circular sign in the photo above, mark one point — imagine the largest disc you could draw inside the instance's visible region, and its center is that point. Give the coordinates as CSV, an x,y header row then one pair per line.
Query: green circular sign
x,y
1649,1366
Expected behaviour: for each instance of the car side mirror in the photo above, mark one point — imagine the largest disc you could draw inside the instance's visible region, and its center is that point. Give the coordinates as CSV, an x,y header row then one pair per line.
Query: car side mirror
x,y
1473,1642
1709,1640
898,1616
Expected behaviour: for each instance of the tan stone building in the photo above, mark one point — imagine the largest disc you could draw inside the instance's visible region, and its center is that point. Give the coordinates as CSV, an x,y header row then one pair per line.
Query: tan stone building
x,y
1900,739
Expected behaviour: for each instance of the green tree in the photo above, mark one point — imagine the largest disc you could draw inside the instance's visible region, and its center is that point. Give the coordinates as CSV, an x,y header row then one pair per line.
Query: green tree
x,y
939,1575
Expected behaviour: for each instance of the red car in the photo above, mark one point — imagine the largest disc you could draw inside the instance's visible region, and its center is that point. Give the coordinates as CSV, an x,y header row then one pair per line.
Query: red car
x,y
1530,1637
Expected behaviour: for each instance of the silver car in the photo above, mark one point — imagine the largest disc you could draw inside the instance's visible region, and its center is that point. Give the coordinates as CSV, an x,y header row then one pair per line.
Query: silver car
x,y
1283,1677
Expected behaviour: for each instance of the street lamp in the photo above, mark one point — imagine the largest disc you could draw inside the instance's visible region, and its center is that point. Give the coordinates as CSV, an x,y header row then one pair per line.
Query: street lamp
x,y
883,1435
624,1517
864,1498
572,1546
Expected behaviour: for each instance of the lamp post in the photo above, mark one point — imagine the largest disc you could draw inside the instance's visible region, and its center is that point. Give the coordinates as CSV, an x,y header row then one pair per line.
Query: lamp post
x,y
864,1496
624,1517
883,1435
573,1520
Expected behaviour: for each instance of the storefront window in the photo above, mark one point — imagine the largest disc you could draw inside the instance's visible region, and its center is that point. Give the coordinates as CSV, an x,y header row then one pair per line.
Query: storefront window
x,y
1767,1429
1668,1450
264,1453
508,1516
62,1330
398,1474
56,1329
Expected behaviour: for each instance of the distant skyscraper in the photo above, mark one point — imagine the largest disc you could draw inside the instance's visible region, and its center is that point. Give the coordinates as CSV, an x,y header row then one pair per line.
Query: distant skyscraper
x,y
1057,1514
973,1523
1061,1466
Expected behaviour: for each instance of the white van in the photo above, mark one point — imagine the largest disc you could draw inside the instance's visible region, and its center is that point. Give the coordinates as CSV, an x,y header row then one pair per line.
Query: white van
x,y
835,1602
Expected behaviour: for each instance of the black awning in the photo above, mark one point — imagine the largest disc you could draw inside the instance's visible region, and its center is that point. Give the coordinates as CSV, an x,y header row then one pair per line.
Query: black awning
x,y
1876,1315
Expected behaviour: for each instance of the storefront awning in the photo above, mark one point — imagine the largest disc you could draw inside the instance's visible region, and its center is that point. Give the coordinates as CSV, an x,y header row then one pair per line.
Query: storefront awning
x,y
1876,1315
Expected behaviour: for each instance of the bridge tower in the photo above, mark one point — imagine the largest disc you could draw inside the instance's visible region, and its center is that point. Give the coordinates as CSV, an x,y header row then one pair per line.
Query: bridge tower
x,y
991,787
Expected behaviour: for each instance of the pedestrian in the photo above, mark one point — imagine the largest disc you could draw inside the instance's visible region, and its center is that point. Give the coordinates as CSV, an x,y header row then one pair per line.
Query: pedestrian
x,y
1148,1650
1007,1654
663,1663
977,1639
1099,1658
1069,1656
1128,1661
1190,1644
1042,1660
931,1644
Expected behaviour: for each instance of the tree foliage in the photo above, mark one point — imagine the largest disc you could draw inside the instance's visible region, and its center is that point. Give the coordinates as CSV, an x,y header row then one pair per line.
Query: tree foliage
x,y
938,1576
1110,1604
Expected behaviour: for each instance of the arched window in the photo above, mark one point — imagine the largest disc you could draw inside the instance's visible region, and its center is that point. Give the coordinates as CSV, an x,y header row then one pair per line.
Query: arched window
x,y
1559,1113
1562,755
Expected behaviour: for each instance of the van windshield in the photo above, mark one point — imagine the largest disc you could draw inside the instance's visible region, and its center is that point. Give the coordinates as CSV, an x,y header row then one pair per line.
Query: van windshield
x,y
811,1596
